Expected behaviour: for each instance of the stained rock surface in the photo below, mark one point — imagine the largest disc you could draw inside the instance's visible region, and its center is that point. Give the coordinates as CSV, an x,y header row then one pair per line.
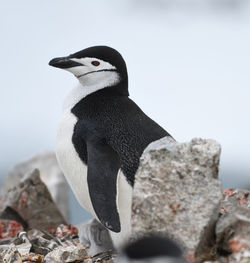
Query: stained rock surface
x,y
50,173
9,228
55,246
67,253
177,192
233,227
10,255
31,204
234,222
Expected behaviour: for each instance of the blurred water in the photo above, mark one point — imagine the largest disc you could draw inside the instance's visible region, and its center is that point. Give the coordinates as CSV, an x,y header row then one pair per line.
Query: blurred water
x,y
188,63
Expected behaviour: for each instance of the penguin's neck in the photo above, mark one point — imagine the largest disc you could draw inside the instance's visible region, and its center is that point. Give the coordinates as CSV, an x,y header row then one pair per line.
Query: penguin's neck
x,y
90,84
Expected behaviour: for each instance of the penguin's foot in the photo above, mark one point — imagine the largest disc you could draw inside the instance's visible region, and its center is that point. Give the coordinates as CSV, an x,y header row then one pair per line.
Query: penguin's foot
x,y
103,256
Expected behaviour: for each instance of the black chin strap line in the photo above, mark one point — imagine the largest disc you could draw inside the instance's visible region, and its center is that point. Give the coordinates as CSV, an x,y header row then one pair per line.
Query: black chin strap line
x,y
101,70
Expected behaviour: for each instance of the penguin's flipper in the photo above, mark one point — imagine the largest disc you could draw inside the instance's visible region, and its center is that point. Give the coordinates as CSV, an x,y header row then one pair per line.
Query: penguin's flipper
x,y
103,167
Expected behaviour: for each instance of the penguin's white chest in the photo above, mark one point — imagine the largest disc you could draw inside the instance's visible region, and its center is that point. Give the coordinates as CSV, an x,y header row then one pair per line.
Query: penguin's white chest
x,y
72,166
75,172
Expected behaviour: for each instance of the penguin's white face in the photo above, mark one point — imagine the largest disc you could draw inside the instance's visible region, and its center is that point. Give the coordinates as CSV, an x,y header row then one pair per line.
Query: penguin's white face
x,y
89,66
95,73
92,72
96,68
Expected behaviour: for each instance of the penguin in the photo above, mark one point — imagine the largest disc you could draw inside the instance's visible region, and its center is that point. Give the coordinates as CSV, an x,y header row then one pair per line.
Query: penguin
x,y
102,136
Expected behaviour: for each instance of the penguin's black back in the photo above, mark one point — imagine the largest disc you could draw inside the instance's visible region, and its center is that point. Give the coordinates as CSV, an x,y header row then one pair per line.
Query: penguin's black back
x,y
117,121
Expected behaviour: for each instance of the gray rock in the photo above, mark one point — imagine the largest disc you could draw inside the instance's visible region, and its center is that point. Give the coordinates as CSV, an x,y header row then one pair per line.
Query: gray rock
x,y
177,192
42,242
242,256
241,253
31,204
22,243
10,255
233,226
233,198
50,173
67,253
95,236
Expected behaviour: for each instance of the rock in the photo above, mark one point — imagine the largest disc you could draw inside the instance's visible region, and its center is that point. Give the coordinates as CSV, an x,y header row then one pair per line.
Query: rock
x,y
32,258
10,255
233,198
233,226
104,257
95,236
19,251
177,192
50,173
67,253
42,242
39,246
31,204
9,228
65,232
241,251
22,243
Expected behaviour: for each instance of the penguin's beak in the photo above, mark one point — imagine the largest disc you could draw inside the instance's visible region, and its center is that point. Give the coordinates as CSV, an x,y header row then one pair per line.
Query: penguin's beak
x,y
64,63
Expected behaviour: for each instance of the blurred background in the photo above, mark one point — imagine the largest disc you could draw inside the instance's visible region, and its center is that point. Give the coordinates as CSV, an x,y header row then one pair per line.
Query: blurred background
x,y
188,63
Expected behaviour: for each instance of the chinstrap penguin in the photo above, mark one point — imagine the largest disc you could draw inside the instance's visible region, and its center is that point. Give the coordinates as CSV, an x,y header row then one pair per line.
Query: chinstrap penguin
x,y
102,136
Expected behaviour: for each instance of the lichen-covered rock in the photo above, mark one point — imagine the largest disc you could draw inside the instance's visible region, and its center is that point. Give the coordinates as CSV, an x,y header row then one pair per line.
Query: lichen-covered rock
x,y
9,228
31,204
10,255
37,246
67,253
233,226
233,198
177,192
65,231
50,173
240,252
32,258
22,243
42,242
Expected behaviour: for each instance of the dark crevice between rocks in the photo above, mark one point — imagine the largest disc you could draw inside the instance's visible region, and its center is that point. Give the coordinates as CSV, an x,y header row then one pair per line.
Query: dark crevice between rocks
x,y
10,214
223,252
207,249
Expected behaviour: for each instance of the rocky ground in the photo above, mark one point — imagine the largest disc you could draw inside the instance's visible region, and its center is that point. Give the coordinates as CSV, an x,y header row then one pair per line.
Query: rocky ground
x,y
32,229
177,194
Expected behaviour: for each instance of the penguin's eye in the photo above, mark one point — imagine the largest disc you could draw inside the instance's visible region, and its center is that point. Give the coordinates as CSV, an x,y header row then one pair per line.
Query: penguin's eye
x,y
95,63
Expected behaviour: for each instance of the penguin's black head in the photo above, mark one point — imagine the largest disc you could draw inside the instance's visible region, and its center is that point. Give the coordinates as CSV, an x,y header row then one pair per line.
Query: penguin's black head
x,y
98,65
